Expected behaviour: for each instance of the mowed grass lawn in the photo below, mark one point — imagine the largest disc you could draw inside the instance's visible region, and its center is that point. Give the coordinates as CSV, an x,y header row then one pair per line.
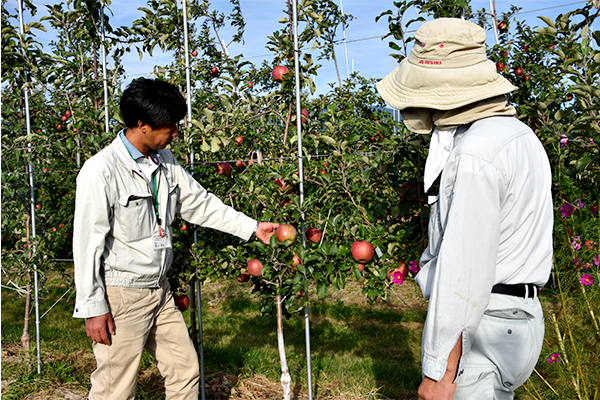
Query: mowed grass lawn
x,y
358,349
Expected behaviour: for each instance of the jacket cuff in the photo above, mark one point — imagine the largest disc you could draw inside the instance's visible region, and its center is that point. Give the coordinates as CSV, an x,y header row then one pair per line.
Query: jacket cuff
x,y
91,309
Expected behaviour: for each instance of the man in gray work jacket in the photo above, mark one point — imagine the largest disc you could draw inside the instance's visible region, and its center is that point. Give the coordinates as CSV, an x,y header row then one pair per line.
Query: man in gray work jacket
x,y
127,197
490,228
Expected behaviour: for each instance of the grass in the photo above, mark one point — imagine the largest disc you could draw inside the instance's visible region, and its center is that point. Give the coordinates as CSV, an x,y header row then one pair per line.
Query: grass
x,y
358,350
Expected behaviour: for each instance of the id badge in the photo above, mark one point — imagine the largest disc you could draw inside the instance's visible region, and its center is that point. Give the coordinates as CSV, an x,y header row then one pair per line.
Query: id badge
x,y
161,240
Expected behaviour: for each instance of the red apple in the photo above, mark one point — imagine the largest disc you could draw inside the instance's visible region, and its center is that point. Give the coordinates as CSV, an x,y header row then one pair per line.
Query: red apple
x,y
286,233
214,72
254,267
67,113
313,235
570,96
194,53
182,302
518,71
402,268
304,114
59,127
250,84
525,78
244,277
278,73
239,164
296,260
525,48
361,267
239,140
502,26
224,169
362,251
500,66
46,170
184,227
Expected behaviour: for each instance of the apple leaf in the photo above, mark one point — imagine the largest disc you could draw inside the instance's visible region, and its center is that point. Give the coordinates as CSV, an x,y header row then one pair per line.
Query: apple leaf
x,y
322,290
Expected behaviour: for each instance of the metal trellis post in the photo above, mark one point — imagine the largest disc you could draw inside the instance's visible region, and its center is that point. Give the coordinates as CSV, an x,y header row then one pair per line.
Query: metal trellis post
x,y
301,177
31,200
189,125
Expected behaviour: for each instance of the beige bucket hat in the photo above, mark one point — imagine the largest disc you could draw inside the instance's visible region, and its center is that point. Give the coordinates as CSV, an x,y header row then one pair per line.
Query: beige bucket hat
x,y
447,68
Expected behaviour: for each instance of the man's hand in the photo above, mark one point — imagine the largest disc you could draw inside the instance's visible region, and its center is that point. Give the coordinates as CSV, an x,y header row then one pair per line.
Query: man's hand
x,y
265,230
100,328
442,390
445,388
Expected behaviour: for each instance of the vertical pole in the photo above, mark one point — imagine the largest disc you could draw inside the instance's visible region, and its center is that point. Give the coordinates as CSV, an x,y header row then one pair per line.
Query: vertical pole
x,y
31,198
345,44
189,126
301,177
104,76
493,11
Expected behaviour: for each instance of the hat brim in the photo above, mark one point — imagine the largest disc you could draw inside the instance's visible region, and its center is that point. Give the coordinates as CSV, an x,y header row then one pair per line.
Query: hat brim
x,y
410,86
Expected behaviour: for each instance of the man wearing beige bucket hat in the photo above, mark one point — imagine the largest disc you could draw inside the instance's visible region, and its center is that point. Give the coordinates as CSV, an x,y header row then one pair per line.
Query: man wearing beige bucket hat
x,y
490,226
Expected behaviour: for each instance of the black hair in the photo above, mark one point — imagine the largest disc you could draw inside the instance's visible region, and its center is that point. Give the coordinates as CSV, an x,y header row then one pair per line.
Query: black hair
x,y
154,102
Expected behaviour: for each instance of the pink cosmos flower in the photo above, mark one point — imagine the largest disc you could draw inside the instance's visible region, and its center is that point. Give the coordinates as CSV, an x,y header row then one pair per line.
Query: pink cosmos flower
x,y
414,267
567,210
553,358
576,243
586,280
586,266
563,141
397,278
594,208
597,260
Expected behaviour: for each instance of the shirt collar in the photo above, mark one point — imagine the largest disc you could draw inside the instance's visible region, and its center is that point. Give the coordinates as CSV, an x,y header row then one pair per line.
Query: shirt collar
x,y
135,153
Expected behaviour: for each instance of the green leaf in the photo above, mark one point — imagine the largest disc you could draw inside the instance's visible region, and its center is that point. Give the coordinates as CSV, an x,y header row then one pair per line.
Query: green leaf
x,y
209,115
328,140
322,290
582,163
548,21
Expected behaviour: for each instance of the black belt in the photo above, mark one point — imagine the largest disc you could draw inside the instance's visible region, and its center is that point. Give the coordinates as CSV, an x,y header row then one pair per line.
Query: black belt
x,y
522,290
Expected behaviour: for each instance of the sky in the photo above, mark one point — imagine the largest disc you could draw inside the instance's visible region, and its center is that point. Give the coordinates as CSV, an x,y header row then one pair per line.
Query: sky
x,y
365,51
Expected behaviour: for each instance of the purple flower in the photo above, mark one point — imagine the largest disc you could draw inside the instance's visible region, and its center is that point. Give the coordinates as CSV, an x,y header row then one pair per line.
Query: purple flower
x,y
580,203
567,210
414,267
553,358
594,208
577,262
563,141
576,243
592,141
586,265
397,278
597,260
586,280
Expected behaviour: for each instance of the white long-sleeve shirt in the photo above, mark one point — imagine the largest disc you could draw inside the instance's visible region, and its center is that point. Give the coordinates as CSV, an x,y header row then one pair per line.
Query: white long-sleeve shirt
x,y
492,223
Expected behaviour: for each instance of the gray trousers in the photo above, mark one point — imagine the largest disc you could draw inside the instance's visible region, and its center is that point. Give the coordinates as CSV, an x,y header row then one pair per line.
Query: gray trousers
x,y
505,350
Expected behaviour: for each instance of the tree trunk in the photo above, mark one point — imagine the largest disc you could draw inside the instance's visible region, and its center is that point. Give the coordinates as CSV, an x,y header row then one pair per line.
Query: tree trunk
x,y
286,380
337,70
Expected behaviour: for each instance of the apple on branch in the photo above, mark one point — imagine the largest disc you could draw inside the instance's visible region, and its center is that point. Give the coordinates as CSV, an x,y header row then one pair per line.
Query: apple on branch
x,y
286,234
182,302
362,251
224,169
254,267
278,73
313,235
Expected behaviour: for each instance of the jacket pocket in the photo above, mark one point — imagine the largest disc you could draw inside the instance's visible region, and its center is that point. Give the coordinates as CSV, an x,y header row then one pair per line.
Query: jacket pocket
x,y
133,215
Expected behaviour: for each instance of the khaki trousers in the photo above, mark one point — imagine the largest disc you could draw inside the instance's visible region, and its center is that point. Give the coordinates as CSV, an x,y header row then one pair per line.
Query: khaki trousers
x,y
145,319
505,349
